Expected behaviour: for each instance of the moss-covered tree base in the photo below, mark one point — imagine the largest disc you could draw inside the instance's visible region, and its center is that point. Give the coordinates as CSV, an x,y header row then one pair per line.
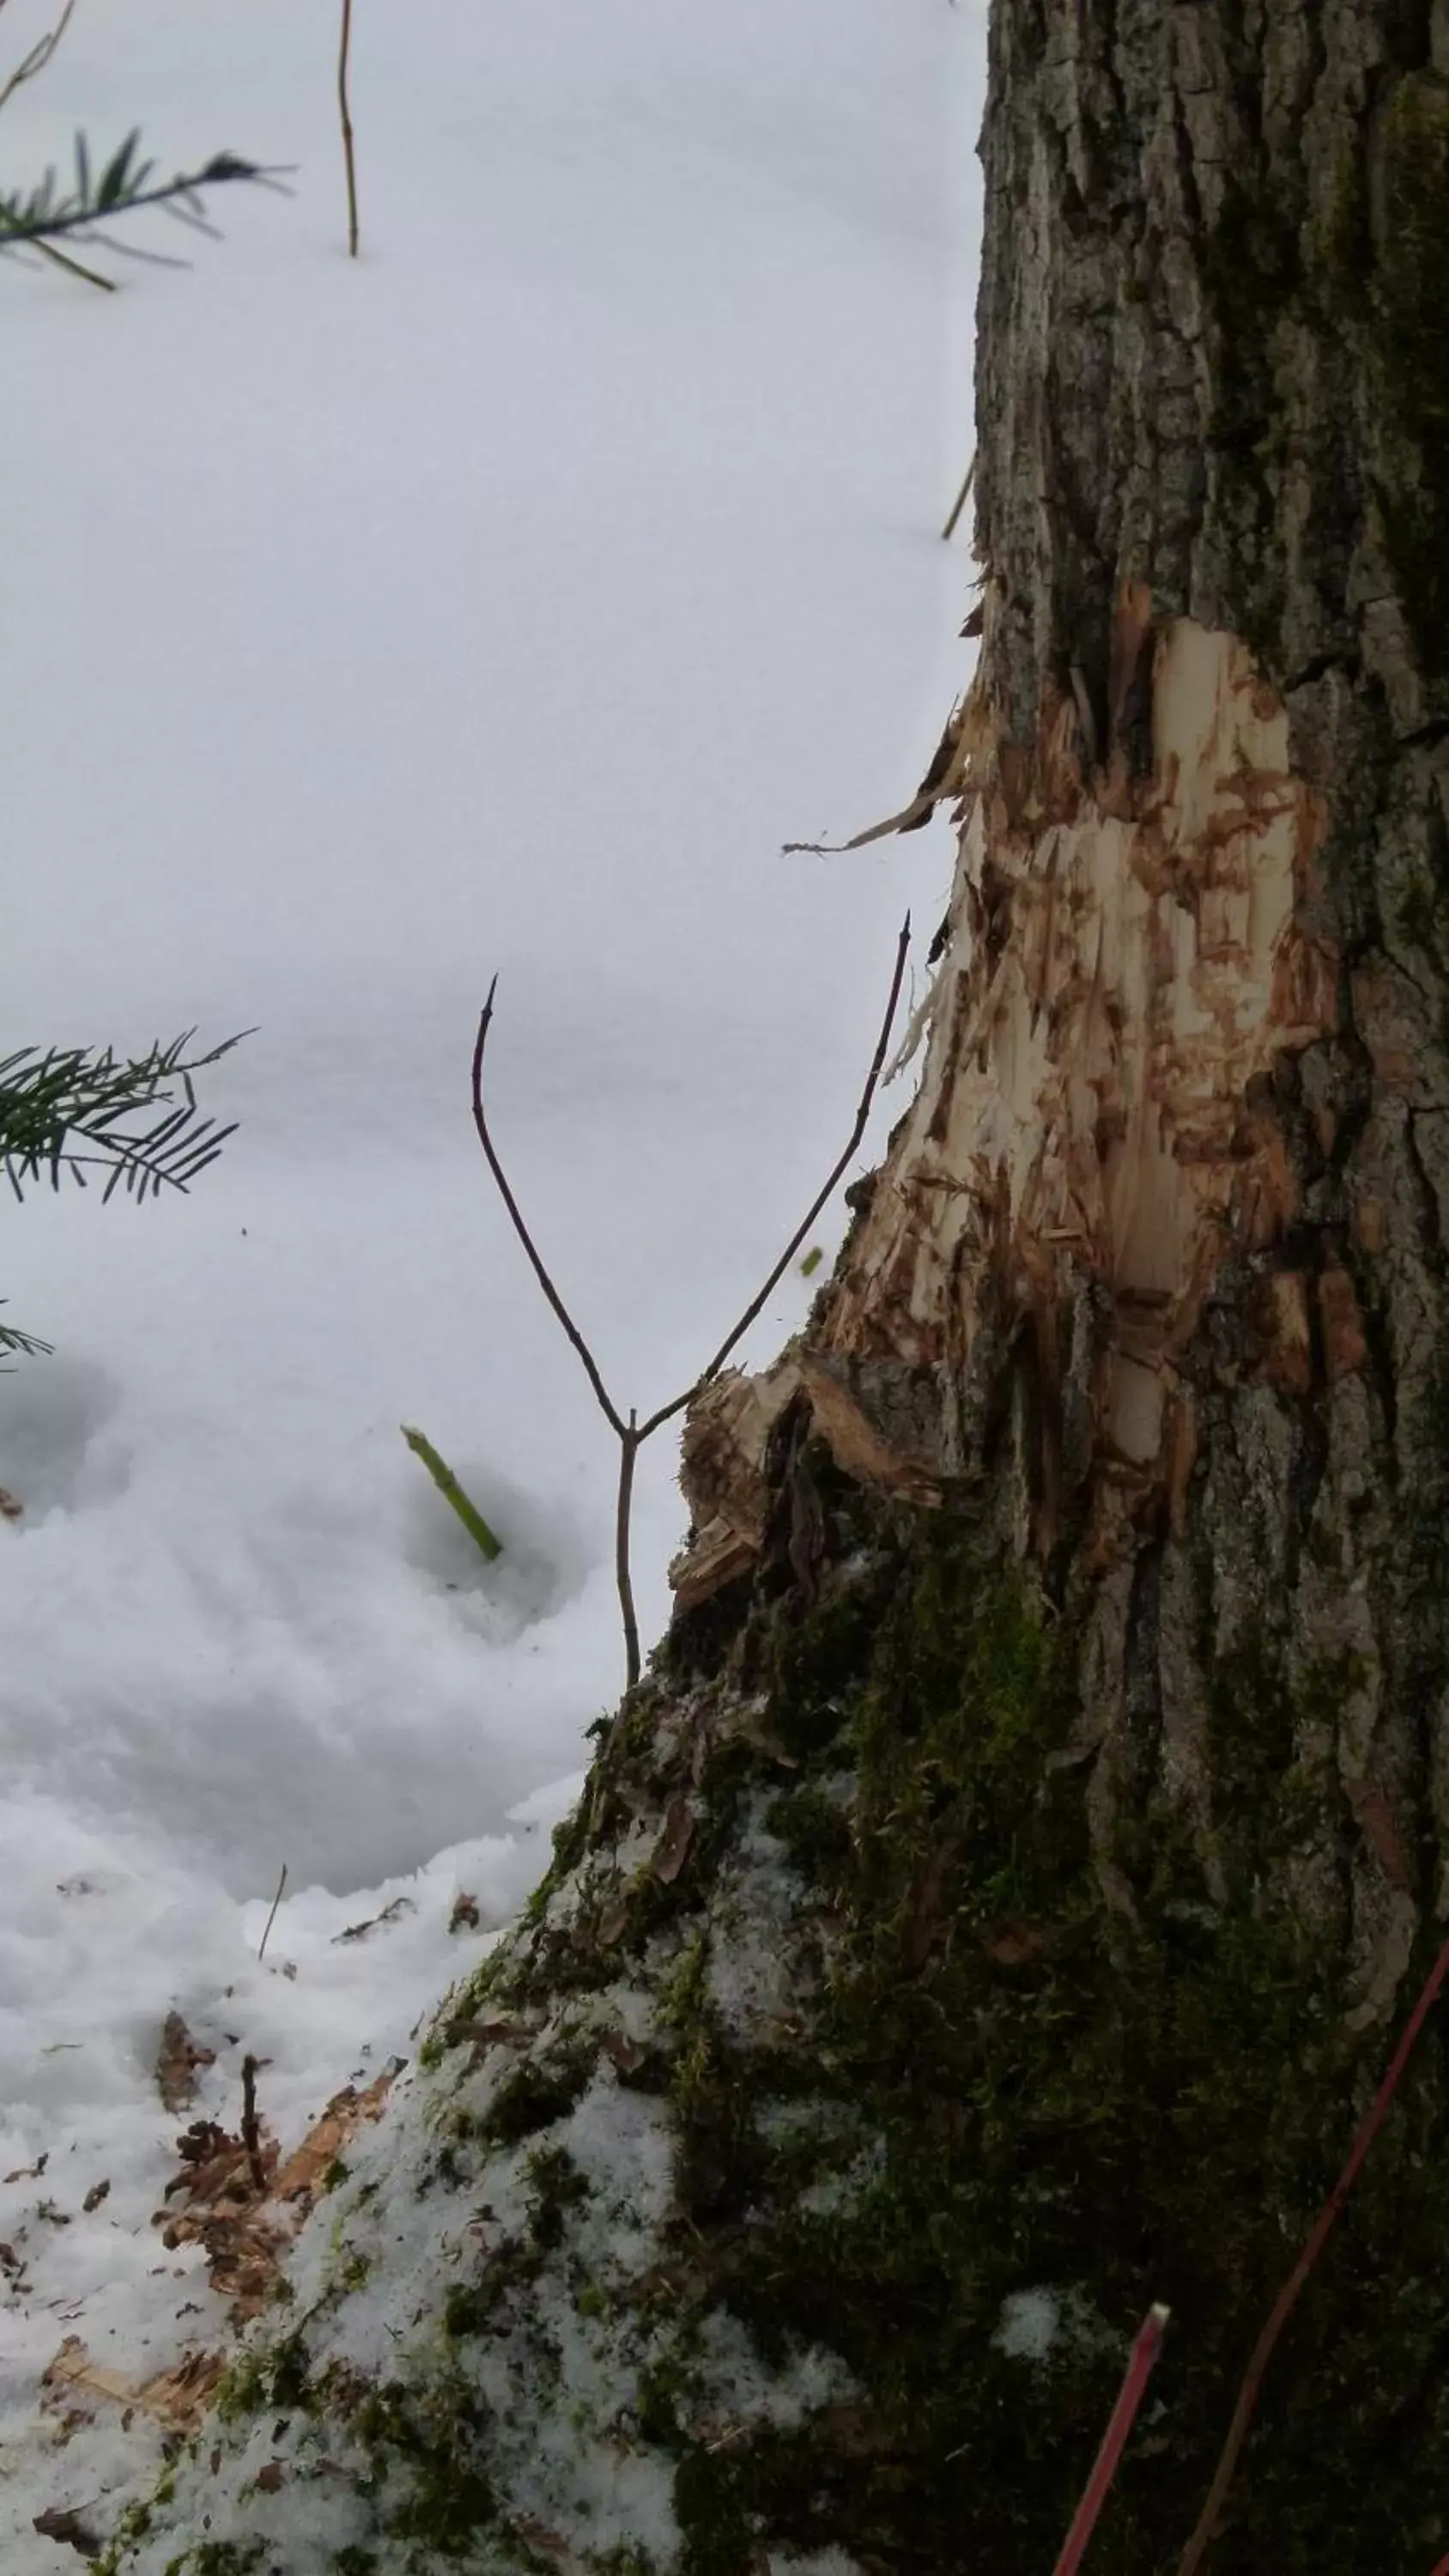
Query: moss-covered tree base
x,y
791,2183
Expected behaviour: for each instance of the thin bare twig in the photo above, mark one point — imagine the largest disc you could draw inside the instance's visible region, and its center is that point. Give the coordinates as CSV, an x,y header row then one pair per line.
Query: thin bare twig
x,y
862,1118
959,504
607,1405
344,57
38,56
271,1918
1287,2298
1146,2346
628,1453
631,1435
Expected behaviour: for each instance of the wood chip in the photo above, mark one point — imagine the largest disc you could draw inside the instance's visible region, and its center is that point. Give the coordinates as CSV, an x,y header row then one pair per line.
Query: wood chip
x,y
173,2398
672,1849
178,2064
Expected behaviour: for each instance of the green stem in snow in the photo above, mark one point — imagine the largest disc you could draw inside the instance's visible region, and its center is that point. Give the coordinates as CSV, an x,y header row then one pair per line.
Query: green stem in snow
x,y
448,1485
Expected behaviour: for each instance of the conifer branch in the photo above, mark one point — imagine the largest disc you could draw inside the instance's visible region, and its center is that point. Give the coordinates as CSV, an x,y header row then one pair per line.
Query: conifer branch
x,y
123,187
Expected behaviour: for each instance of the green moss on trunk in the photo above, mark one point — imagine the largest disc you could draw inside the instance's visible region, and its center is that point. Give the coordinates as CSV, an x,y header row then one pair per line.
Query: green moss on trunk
x,y
1009,2088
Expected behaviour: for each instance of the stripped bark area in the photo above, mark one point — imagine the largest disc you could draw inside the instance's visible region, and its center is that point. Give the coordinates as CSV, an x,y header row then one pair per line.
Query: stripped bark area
x,y
1127,967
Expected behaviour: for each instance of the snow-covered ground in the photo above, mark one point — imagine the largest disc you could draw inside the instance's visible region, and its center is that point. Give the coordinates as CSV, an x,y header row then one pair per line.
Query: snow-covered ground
x,y
500,602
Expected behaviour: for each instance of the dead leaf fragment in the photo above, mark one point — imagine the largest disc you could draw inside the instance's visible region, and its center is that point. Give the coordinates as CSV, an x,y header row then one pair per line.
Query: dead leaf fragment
x,y
625,2052
180,2059
98,2192
29,2173
10,1510
271,2476
672,1849
63,2523
465,1916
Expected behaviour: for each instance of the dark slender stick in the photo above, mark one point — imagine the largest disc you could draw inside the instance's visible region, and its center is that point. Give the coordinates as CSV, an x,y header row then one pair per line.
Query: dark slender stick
x,y
628,1452
607,1406
271,1918
949,530
38,56
1146,2346
344,56
1287,2298
862,1116
251,2127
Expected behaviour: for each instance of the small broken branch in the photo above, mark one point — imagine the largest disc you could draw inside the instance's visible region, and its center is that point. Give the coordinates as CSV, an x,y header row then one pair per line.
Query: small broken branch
x,y
452,1492
271,1918
344,59
1287,2299
959,504
251,2126
1145,2349
632,1434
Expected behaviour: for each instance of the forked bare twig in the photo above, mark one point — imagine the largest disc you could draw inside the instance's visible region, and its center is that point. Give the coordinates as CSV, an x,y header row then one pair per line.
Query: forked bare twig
x,y
632,1434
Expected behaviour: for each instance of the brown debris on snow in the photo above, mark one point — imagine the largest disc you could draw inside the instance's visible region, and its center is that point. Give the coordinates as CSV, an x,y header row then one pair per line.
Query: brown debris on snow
x,y
176,2399
179,2063
243,2204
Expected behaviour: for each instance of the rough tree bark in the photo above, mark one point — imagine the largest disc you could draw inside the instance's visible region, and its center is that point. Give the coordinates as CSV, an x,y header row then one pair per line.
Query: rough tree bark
x,y
990,1913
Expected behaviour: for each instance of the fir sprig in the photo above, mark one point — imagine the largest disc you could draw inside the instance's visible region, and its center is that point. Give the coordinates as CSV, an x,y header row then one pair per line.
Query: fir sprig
x,y
71,1110
122,186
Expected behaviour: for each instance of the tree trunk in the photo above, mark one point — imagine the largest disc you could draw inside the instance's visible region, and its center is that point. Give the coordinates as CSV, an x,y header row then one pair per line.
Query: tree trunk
x,y
990,1914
